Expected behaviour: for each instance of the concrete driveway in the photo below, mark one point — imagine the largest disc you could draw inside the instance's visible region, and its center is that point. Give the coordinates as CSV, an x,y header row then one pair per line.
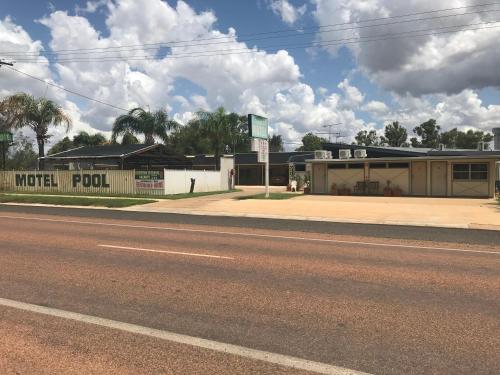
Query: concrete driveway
x,y
439,212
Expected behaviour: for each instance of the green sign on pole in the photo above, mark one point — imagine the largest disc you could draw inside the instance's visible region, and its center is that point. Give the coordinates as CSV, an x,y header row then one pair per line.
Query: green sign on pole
x,y
258,126
6,137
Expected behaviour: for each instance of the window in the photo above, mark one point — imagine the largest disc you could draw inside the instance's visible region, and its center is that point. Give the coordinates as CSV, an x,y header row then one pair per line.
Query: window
x,y
479,171
466,171
378,165
398,165
356,166
336,166
300,167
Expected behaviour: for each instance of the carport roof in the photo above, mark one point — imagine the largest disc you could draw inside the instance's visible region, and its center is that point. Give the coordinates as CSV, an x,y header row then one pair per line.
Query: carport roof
x,y
102,151
251,158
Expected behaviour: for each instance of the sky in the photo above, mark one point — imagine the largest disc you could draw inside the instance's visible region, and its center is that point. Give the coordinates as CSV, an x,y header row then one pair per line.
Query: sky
x,y
304,64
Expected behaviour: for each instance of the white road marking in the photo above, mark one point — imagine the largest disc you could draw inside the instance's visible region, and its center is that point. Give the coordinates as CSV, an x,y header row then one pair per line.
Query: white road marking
x,y
165,252
256,235
259,355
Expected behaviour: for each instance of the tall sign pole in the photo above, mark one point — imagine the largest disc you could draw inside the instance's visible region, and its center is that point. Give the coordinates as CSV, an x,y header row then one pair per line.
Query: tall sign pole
x,y
258,128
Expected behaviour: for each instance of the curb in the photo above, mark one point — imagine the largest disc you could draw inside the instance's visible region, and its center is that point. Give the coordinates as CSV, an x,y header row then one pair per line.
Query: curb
x,y
472,226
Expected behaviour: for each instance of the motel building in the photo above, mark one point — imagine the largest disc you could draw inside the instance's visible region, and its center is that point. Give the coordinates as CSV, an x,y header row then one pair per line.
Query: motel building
x,y
407,172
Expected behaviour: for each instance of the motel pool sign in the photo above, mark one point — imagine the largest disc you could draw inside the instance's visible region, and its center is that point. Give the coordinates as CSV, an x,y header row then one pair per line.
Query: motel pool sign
x,y
83,181
49,180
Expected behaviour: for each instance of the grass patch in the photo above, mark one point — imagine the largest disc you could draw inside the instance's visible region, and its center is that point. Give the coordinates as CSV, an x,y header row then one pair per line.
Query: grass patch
x,y
275,196
194,195
73,201
125,196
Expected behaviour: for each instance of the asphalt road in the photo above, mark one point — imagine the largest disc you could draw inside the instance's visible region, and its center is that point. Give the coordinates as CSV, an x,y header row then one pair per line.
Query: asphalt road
x,y
379,299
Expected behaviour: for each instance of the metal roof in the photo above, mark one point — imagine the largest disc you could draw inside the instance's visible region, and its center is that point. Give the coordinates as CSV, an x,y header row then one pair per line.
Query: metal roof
x,y
480,155
102,151
251,158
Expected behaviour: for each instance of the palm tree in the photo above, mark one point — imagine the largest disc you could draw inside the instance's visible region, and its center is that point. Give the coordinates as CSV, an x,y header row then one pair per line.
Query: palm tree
x,y
38,114
149,124
216,126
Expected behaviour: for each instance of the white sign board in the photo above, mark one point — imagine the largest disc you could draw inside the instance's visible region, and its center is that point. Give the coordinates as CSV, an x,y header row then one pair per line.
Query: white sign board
x,y
261,146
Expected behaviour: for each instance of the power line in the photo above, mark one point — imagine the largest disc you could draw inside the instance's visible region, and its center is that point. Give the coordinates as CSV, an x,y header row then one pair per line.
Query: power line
x,y
84,51
319,44
226,52
159,44
67,90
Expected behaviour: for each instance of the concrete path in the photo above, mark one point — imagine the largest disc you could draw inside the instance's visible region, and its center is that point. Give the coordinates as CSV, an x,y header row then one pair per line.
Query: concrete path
x,y
438,212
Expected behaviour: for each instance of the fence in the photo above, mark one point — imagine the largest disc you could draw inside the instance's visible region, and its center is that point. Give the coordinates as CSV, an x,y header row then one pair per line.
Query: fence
x,y
90,181
177,182
115,181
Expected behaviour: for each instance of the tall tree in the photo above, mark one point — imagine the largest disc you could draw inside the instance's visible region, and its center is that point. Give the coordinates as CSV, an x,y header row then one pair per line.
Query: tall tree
x,y
141,122
188,139
311,142
216,127
470,139
129,139
79,140
367,138
428,133
238,133
21,155
276,143
395,135
63,145
37,114
85,139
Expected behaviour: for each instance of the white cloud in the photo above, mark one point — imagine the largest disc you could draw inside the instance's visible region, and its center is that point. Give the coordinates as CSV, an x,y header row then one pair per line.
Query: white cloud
x,y
13,38
376,107
353,97
90,6
464,111
288,13
444,63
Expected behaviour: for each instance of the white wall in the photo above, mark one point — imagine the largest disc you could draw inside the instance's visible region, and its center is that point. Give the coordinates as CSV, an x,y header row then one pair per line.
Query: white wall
x,y
226,165
179,181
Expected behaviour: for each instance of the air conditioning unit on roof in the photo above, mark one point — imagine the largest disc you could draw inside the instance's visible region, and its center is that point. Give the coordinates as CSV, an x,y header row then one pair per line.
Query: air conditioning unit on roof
x,y
345,154
320,154
360,154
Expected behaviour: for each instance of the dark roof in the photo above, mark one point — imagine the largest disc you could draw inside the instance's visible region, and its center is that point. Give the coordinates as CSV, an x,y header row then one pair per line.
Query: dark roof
x,y
463,153
274,157
251,158
102,151
376,151
383,151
